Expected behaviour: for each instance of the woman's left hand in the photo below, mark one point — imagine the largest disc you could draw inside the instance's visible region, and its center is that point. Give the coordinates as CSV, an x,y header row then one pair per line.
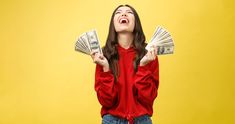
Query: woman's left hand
x,y
150,56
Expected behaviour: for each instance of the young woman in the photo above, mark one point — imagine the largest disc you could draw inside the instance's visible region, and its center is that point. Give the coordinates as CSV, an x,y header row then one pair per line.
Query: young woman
x,y
127,76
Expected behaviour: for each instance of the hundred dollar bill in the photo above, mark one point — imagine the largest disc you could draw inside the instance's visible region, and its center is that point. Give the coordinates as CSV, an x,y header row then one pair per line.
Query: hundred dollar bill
x,y
88,42
94,41
162,40
161,50
80,47
84,38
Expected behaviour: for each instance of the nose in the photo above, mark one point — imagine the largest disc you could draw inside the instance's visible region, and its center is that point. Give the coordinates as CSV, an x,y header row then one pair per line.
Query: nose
x,y
123,14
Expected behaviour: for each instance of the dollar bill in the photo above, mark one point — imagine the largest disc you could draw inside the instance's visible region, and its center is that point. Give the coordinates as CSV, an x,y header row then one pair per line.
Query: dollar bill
x,y
162,40
88,42
161,50
80,47
94,42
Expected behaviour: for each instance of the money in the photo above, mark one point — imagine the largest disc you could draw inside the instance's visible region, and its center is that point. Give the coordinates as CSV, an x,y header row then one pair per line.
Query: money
x,y
162,40
88,42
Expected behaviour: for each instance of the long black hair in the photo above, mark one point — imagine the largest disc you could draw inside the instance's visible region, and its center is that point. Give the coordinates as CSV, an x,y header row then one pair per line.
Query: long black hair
x,y
110,49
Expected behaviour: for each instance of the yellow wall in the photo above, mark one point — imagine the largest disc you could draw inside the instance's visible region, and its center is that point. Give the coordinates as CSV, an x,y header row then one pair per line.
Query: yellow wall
x,y
44,81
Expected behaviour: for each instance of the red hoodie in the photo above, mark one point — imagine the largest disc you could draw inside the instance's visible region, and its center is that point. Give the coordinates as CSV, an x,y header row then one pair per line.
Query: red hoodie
x,y
133,94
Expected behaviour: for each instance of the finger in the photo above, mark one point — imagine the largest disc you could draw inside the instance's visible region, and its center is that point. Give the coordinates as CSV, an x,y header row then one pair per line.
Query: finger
x,y
151,51
152,55
152,48
148,54
101,56
97,57
95,60
155,50
93,54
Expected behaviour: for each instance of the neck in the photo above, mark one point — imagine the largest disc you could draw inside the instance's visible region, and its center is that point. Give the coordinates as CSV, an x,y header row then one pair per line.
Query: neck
x,y
125,40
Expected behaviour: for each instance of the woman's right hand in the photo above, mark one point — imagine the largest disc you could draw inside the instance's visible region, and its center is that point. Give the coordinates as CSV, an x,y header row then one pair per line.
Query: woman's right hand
x,y
101,60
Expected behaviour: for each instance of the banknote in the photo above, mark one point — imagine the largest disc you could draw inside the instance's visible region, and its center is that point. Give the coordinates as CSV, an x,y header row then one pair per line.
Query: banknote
x,y
88,42
162,40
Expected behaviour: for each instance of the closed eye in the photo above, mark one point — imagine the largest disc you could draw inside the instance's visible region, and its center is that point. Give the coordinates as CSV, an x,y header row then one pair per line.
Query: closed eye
x,y
118,12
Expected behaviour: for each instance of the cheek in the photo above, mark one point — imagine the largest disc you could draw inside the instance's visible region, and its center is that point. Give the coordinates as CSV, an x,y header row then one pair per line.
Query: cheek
x,y
133,22
115,22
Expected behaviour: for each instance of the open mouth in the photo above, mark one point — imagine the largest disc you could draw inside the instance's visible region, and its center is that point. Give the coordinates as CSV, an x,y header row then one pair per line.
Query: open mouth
x,y
123,21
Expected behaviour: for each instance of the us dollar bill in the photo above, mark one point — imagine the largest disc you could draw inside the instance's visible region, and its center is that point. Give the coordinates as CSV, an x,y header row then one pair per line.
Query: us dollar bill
x,y
94,41
88,42
161,50
162,40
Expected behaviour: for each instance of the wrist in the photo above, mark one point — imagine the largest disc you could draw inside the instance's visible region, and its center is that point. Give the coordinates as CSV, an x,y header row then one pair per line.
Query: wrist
x,y
143,63
105,68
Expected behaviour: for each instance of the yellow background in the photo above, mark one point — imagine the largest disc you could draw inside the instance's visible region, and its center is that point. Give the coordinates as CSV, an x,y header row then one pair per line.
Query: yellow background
x,y
44,81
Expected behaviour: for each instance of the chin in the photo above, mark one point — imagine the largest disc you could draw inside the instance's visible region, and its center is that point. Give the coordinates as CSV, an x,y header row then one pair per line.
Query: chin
x,y
122,30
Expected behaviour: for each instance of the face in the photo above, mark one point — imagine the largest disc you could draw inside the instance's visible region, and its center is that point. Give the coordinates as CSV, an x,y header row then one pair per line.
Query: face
x,y
124,20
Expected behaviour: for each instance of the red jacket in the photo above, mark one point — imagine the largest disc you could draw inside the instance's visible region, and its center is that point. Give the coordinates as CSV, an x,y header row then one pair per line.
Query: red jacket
x,y
133,94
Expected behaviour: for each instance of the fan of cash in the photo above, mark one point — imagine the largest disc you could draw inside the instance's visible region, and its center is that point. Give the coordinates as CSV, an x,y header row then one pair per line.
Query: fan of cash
x,y
88,42
162,40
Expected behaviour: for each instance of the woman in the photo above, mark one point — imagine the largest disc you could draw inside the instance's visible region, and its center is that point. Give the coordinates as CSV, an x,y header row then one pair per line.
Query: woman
x,y
126,79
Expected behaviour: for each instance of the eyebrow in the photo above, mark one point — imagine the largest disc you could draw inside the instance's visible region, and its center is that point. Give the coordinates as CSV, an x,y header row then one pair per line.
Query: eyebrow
x,y
126,10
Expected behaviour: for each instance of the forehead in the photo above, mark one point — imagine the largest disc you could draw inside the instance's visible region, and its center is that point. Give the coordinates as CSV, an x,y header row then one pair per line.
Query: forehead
x,y
124,8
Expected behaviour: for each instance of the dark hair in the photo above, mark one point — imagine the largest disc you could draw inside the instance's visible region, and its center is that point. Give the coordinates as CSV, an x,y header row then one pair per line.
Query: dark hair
x,y
110,48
